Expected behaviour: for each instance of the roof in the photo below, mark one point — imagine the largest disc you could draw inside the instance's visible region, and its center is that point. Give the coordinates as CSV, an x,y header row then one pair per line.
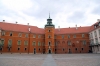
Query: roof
x,y
92,26
34,29
72,30
20,28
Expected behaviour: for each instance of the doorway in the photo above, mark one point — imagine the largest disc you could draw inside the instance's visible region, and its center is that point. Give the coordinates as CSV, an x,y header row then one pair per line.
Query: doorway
x,y
34,51
49,51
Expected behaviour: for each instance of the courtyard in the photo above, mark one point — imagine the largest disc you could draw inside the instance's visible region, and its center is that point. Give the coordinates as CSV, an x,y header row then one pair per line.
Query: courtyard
x,y
49,59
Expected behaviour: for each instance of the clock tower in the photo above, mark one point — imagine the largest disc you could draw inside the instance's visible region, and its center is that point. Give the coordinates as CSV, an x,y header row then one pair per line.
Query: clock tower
x,y
49,37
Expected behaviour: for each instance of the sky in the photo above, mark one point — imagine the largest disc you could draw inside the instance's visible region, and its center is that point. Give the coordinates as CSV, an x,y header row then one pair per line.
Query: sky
x,y
64,13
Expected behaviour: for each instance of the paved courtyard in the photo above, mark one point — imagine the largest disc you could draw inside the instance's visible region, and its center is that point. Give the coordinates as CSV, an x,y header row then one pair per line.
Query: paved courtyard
x,y
49,59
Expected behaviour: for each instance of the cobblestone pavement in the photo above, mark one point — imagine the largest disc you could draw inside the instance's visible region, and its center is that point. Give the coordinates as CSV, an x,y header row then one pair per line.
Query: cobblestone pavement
x,y
49,59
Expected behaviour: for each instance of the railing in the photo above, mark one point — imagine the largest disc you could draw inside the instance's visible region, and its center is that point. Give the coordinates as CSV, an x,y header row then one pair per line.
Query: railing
x,y
94,44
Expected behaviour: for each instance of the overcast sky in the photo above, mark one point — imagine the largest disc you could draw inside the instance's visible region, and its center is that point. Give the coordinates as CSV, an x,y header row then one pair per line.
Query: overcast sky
x,y
65,13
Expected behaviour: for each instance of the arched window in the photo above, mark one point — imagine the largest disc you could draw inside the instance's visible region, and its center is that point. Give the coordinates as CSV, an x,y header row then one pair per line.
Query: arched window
x,y
49,43
69,42
63,42
49,36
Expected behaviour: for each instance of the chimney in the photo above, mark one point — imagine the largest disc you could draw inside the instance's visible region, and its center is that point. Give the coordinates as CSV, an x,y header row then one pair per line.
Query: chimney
x,y
27,23
59,28
76,27
3,20
98,20
69,27
80,26
16,22
29,29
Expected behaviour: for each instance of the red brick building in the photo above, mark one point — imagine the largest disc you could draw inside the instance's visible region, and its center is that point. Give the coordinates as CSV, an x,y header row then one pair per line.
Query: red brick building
x,y
17,38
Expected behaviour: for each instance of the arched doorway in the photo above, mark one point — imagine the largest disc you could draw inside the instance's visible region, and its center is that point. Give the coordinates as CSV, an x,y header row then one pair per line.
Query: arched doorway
x,y
49,51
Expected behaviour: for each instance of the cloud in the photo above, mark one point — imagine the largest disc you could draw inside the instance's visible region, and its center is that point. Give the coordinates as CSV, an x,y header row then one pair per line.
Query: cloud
x,y
64,13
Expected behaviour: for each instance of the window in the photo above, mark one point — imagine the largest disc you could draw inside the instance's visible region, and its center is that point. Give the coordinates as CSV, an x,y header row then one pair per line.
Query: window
x,y
84,42
99,32
95,26
10,33
91,35
26,35
63,49
83,35
74,36
19,42
3,33
34,36
82,49
55,43
2,42
25,49
39,36
95,33
76,49
55,49
68,36
26,42
62,36
49,43
39,44
96,40
34,43
48,30
69,42
0,48
9,42
49,36
19,34
18,49
39,49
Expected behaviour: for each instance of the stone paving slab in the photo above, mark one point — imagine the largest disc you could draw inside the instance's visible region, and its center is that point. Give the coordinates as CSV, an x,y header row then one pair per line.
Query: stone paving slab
x,y
49,59
77,60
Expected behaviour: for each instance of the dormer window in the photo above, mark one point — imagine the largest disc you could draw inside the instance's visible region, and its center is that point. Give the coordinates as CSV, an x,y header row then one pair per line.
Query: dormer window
x,y
68,36
19,34
39,36
99,24
74,36
94,26
26,35
3,33
10,33
62,36
34,36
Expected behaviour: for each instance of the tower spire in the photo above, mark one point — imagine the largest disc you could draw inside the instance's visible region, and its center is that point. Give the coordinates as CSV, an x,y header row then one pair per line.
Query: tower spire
x,y
49,15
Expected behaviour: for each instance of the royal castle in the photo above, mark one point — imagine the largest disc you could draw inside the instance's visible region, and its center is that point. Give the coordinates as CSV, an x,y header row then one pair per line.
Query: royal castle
x,y
17,38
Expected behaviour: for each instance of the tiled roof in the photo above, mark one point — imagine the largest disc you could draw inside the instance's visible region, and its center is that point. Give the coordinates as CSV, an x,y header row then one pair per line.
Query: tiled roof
x,y
92,26
72,30
20,28
34,29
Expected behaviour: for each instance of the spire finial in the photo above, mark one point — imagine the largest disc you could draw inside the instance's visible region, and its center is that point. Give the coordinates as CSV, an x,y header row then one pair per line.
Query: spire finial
x,y
49,14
